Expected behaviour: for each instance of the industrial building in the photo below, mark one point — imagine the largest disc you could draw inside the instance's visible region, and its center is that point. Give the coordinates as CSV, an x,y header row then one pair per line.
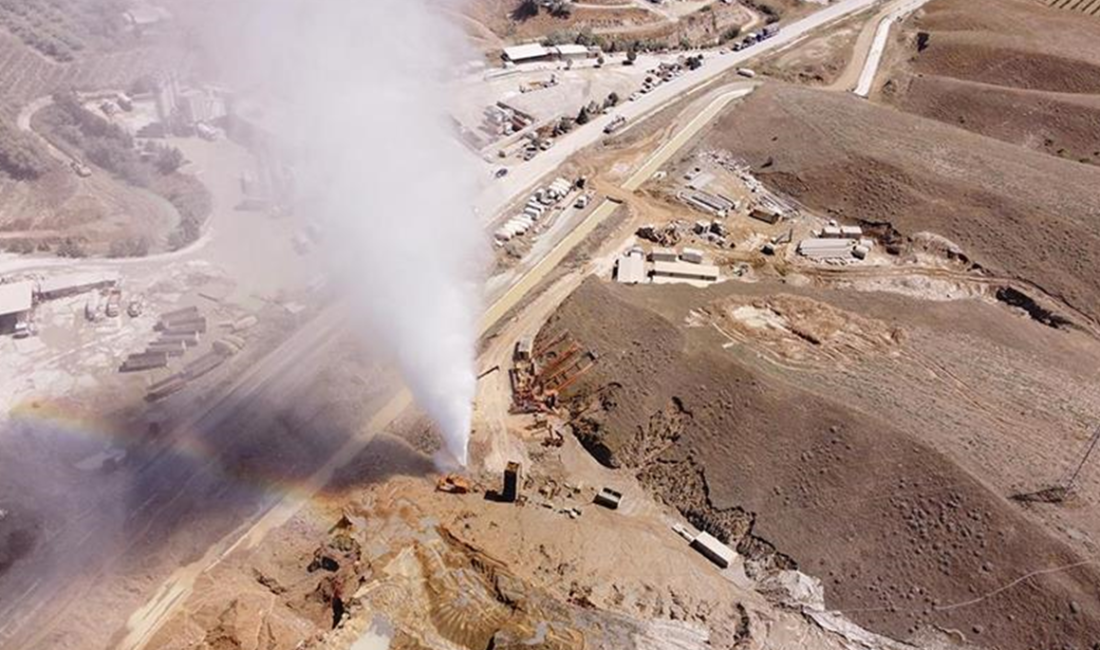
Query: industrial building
x,y
833,231
714,550
69,284
692,256
678,271
630,268
663,255
716,205
527,53
821,248
770,209
200,106
572,52
765,213
535,52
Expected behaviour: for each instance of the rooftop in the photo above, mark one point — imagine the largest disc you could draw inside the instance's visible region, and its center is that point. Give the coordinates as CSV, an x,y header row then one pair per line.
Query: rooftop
x,y
685,270
75,281
15,297
631,269
526,51
571,49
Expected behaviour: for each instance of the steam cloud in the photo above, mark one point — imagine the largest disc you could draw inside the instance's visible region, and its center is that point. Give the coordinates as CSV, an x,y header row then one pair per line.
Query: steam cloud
x,y
359,87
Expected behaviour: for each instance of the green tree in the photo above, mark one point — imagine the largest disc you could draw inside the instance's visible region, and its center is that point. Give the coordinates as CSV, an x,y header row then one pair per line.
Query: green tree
x,y
70,247
168,160
583,117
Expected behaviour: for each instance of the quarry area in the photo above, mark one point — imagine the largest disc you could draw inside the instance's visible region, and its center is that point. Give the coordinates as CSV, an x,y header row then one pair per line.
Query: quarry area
x,y
560,324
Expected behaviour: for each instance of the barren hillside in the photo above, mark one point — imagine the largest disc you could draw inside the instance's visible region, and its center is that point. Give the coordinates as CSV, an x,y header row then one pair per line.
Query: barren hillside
x,y
900,534
1010,69
1032,216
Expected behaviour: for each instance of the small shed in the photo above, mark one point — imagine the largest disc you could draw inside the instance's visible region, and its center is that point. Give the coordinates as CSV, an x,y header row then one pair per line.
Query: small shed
x,y
524,347
609,498
663,255
765,213
692,256
714,550
16,300
631,269
72,283
572,52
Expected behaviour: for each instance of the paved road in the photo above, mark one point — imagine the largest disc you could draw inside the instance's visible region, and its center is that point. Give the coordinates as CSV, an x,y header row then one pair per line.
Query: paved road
x,y
496,196
878,46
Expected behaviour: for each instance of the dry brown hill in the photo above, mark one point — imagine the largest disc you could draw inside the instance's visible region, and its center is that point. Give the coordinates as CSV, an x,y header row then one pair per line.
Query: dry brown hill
x,y
901,536
1031,216
1009,69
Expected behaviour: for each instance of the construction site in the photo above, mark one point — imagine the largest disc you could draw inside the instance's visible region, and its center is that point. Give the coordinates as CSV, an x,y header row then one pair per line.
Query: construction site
x,y
688,324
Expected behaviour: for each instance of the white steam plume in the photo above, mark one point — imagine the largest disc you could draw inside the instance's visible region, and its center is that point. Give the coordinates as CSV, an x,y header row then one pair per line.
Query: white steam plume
x,y
360,89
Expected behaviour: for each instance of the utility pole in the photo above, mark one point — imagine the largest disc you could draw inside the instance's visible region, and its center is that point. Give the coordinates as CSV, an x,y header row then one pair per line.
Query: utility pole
x,y
1068,483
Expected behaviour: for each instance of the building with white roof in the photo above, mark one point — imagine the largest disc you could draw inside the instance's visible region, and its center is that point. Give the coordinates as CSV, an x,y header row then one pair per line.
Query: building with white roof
x,y
527,53
571,51
630,268
714,550
686,272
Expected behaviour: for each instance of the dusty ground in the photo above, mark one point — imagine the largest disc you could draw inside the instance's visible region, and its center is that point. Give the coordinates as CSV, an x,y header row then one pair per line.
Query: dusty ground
x,y
788,458
994,68
822,60
1023,214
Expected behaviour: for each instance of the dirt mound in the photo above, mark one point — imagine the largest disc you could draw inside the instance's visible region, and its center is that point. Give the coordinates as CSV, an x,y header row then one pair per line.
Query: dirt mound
x,y
803,329
1027,215
902,537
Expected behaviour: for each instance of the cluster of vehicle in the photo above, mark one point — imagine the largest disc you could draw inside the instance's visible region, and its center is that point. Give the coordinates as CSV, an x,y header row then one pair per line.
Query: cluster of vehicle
x,y
99,306
667,72
752,38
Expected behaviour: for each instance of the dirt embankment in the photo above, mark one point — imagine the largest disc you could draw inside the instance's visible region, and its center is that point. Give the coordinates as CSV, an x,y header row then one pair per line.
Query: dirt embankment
x,y
902,537
1008,69
1028,215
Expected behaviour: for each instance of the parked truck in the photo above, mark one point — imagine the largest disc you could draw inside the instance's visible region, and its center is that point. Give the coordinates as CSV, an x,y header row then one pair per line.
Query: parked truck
x,y
92,307
114,302
616,124
136,306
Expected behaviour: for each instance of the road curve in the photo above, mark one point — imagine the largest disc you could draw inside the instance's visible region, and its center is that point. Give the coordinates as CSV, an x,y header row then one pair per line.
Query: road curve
x,y
878,46
497,195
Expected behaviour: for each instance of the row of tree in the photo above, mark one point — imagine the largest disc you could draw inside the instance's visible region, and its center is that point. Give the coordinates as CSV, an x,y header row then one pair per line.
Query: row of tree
x,y
21,157
105,144
592,109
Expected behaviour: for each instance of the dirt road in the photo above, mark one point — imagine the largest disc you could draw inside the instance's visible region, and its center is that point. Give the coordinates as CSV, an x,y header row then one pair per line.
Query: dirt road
x,y
495,197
